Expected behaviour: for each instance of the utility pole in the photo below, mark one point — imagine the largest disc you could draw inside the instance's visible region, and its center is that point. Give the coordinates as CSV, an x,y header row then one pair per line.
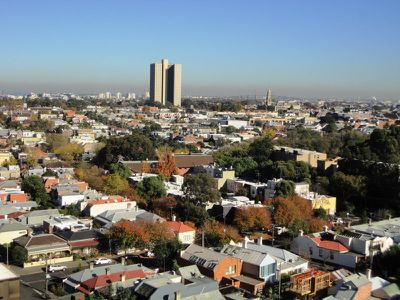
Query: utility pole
x,y
47,279
279,287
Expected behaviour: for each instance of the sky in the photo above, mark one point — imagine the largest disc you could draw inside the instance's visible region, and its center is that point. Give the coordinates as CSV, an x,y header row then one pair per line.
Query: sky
x,y
308,48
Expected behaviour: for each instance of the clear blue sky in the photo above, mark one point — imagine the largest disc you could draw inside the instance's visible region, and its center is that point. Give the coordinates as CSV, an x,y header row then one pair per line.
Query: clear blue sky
x,y
318,48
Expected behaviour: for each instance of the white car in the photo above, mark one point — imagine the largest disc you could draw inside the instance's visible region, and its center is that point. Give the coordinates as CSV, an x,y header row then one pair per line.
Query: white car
x,y
55,268
102,261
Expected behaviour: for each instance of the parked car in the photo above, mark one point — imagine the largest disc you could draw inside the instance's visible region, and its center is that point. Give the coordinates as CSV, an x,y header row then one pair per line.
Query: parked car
x,y
55,268
102,261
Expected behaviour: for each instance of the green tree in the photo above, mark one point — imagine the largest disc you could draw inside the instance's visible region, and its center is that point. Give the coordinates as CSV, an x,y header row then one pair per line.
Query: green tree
x,y
284,188
200,188
18,254
260,149
166,250
115,184
33,185
193,212
120,169
151,188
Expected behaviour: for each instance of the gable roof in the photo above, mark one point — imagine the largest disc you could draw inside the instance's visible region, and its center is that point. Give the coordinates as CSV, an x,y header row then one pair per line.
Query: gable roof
x,y
179,227
39,240
329,245
202,256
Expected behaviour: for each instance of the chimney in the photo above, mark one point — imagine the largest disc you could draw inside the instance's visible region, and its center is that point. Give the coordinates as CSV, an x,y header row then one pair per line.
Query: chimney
x,y
173,218
244,244
301,232
177,295
123,261
325,228
260,241
368,273
5,217
122,277
91,265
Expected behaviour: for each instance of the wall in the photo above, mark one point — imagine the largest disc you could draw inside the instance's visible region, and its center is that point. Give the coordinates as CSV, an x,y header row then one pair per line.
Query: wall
x,y
9,236
49,261
10,289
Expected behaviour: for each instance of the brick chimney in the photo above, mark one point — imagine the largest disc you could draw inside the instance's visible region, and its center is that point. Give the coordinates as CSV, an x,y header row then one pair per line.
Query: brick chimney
x,y
122,277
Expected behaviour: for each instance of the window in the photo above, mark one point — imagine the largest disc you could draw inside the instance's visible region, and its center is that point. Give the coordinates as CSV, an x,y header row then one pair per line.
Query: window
x,y
331,255
231,270
320,252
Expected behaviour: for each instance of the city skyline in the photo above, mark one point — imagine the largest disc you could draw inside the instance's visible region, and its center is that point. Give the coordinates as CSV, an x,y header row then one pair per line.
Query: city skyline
x,y
307,49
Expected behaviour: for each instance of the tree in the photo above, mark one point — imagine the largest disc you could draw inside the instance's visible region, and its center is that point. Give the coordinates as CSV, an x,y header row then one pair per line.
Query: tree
x,y
56,140
348,188
69,152
139,234
284,188
320,213
260,149
387,264
193,212
134,147
217,235
163,206
200,188
33,185
165,250
120,169
166,161
115,184
18,254
151,188
252,218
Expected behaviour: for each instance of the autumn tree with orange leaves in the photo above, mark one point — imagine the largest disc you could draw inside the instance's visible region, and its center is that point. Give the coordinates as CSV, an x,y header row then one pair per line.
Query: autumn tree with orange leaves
x,y
139,234
295,210
216,235
166,161
252,218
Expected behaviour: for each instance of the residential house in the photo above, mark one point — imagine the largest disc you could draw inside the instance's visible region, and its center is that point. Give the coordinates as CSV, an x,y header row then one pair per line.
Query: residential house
x,y
44,246
215,265
184,233
286,261
389,228
322,246
82,241
9,284
307,156
66,222
107,218
96,207
10,230
95,278
169,285
36,217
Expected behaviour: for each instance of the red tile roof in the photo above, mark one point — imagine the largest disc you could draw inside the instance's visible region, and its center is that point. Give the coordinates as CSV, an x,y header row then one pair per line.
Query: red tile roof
x,y
103,280
84,243
329,245
179,227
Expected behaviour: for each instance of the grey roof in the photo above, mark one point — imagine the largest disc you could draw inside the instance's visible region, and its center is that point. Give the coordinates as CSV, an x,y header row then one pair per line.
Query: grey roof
x,y
14,226
164,286
189,271
113,216
44,212
248,255
390,228
71,236
387,292
7,209
203,256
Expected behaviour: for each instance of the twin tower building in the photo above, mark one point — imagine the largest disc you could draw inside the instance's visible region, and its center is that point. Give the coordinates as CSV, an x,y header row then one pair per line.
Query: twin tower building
x,y
166,83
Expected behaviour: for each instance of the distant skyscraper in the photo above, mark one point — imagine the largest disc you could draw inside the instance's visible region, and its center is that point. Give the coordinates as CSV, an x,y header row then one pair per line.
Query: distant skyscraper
x,y
166,83
268,98
118,95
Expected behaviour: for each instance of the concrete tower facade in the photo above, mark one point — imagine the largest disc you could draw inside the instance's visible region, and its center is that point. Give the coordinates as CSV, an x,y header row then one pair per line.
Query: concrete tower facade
x,y
166,83
268,98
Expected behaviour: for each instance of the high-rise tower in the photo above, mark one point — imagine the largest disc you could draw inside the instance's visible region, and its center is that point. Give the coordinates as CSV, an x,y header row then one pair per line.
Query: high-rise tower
x,y
165,83
268,98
